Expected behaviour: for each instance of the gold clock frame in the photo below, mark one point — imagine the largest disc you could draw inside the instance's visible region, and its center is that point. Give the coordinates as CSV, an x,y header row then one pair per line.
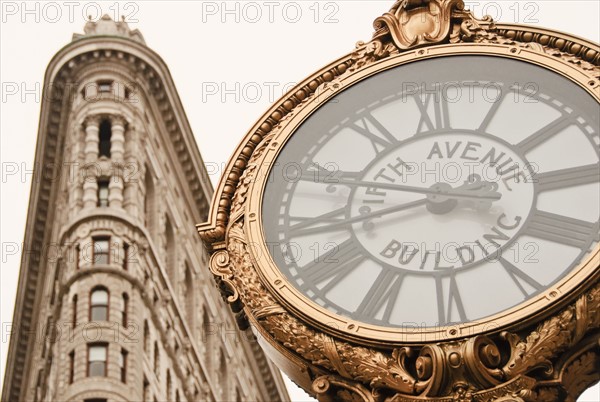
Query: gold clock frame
x,y
557,331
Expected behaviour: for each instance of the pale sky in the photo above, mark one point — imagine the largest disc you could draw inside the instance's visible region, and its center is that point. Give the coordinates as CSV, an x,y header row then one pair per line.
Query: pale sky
x,y
230,61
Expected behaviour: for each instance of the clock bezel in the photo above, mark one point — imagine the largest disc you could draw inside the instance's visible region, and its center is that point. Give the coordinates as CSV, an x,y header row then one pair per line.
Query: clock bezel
x,y
337,325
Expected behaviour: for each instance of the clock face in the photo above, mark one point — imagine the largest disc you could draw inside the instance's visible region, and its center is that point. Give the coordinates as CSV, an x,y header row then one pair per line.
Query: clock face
x,y
438,192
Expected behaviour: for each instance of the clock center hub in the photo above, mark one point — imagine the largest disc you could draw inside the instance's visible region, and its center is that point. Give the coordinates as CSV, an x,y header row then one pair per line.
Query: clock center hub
x,y
442,201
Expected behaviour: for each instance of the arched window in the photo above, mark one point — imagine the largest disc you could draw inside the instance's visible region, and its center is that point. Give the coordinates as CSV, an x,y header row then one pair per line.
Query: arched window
x,y
97,358
105,134
170,250
177,398
149,203
124,310
99,304
146,336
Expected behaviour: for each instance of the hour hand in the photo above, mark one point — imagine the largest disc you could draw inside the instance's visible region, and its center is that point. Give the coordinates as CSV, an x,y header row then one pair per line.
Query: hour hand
x,y
482,194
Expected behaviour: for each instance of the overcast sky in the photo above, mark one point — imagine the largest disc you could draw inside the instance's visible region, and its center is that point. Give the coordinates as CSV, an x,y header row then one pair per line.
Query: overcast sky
x,y
230,61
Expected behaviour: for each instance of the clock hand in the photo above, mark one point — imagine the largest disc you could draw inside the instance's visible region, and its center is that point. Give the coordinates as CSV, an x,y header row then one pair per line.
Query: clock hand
x,y
481,192
364,217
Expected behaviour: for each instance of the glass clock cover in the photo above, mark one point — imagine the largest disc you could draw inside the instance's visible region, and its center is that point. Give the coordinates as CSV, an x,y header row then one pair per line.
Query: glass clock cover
x,y
438,192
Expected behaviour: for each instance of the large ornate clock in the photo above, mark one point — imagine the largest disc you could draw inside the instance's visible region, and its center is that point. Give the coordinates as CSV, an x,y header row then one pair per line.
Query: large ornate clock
x,y
420,219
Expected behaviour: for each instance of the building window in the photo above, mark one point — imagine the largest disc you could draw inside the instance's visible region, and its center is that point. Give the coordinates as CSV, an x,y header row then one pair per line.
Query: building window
x,y
149,215
170,250
169,385
177,398
99,304
105,135
71,366
125,308
95,400
74,311
125,256
156,358
223,374
77,256
102,193
97,358
145,385
188,294
105,86
123,365
146,336
101,250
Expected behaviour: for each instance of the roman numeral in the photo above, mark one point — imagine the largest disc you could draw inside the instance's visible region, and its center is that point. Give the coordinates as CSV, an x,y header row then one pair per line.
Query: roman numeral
x,y
449,301
544,134
382,295
492,112
441,116
337,263
568,177
561,229
516,274
319,224
379,136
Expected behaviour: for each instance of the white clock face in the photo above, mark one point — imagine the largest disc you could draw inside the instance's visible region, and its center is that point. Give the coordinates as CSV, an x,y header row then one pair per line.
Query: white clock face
x,y
439,192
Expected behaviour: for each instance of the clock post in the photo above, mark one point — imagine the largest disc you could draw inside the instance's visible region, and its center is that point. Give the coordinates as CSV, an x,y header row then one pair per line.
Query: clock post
x,y
419,220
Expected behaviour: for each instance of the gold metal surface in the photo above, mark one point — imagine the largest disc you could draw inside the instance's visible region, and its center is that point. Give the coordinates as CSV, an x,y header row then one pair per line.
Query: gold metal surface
x,y
546,349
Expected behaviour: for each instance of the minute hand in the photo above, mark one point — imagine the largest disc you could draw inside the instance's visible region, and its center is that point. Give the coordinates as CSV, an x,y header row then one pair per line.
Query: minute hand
x,y
452,193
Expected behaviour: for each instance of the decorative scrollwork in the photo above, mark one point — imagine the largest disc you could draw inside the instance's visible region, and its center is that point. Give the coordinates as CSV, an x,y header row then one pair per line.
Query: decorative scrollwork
x,y
415,23
219,266
498,367
552,336
581,374
330,389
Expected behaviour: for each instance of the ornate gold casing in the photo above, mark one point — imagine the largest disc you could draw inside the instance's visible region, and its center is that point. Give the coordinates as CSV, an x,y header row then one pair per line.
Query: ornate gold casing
x,y
546,349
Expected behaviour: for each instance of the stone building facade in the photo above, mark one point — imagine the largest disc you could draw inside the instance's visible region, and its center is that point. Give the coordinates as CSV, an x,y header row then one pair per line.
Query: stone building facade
x,y
115,301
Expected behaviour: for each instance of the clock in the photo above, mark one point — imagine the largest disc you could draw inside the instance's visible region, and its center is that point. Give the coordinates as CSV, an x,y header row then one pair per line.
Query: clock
x,y
420,220
445,193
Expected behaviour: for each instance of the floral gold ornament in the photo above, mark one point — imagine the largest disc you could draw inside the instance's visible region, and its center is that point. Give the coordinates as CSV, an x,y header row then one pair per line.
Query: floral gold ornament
x,y
372,268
